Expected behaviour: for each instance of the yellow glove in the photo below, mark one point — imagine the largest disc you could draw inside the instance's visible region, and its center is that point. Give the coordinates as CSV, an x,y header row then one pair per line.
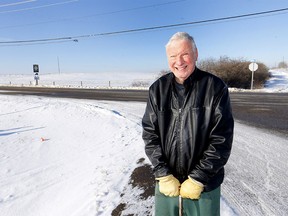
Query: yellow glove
x,y
169,185
191,189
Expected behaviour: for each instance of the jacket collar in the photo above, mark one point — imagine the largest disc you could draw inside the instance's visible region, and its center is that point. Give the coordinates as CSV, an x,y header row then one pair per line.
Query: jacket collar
x,y
188,83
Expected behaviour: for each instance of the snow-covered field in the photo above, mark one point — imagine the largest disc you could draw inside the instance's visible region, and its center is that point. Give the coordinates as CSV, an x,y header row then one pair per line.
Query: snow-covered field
x,y
81,80
278,83
69,157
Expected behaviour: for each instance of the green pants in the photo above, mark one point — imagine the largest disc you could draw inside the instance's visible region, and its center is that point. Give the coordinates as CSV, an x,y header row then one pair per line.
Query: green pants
x,y
207,205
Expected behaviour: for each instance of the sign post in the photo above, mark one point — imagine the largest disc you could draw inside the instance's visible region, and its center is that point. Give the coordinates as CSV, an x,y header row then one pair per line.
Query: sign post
x,y
36,71
253,67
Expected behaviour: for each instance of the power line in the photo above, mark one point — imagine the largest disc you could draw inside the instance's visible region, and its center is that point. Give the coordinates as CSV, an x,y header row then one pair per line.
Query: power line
x,y
38,43
187,23
37,7
51,40
93,15
75,38
17,3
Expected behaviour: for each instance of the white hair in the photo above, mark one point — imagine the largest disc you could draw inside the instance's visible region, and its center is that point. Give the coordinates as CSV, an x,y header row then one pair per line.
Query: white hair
x,y
182,36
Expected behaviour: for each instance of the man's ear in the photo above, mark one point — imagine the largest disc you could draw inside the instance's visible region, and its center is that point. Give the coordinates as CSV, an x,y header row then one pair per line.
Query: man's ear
x,y
196,54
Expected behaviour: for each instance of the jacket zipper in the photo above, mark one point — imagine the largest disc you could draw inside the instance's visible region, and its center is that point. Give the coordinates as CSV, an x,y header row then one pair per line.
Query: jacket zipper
x,y
180,141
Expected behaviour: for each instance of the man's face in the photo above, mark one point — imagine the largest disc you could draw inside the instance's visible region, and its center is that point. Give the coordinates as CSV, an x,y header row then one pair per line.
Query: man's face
x,y
181,59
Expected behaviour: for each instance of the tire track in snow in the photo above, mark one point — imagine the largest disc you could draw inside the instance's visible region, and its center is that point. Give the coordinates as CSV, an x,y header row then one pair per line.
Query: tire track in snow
x,y
256,177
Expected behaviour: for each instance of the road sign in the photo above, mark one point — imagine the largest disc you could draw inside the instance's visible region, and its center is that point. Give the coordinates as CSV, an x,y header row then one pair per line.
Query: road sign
x,y
253,66
36,68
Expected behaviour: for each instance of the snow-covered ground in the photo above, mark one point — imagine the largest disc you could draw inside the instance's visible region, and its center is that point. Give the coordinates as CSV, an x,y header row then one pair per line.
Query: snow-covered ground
x,y
78,80
69,157
278,82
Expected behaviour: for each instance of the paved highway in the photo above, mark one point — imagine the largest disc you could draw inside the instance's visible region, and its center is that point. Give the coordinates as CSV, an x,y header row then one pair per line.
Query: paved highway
x,y
265,110
96,94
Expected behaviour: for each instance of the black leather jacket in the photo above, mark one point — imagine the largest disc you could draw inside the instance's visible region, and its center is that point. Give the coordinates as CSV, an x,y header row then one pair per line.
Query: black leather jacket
x,y
195,139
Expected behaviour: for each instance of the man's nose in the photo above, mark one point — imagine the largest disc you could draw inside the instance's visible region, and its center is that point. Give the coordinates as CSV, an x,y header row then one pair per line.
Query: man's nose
x,y
179,60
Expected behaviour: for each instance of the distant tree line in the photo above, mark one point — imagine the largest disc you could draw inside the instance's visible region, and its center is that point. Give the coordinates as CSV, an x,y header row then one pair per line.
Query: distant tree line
x,y
234,72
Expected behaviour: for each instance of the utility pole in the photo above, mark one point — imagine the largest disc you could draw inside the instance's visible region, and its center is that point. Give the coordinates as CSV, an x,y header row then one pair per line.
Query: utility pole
x,y
58,65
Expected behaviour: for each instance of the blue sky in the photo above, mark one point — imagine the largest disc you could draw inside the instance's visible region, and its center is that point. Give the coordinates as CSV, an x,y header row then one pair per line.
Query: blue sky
x,y
261,38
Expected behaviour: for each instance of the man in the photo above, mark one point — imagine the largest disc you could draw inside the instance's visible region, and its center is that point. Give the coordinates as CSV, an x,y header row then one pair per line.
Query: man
x,y
188,132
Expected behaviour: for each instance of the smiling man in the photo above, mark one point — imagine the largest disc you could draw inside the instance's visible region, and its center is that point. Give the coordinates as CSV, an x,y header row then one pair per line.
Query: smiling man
x,y
188,132
182,56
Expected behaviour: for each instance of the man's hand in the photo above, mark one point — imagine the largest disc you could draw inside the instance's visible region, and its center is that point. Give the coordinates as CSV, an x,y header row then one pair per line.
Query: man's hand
x,y
169,185
191,189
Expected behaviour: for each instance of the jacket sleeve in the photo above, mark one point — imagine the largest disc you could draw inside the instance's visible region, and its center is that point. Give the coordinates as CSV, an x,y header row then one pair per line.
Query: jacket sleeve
x,y
220,140
152,138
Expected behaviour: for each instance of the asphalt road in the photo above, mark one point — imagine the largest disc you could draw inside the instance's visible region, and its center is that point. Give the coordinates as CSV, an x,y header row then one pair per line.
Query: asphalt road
x,y
81,93
264,110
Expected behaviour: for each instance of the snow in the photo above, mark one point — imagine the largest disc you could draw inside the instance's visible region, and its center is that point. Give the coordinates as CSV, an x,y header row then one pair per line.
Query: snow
x,y
80,168
278,81
85,80
70,157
